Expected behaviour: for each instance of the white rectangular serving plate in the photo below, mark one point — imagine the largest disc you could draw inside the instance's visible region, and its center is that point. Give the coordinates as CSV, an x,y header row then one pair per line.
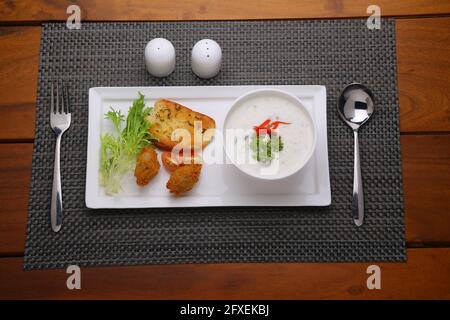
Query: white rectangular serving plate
x,y
220,184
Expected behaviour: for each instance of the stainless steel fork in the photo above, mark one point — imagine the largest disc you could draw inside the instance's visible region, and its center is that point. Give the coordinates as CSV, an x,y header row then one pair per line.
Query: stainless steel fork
x,y
59,121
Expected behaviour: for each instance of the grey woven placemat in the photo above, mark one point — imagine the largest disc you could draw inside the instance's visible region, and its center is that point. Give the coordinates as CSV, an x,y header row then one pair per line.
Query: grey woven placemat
x,y
331,53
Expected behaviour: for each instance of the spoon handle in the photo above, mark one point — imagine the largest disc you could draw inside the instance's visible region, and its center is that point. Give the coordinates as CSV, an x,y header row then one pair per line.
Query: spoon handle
x,y
358,196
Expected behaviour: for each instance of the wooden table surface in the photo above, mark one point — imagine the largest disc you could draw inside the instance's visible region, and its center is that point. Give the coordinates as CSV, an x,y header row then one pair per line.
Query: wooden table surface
x,y
423,55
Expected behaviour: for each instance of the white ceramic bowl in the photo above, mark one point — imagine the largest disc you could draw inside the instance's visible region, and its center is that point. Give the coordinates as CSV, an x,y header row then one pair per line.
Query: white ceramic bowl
x,y
256,105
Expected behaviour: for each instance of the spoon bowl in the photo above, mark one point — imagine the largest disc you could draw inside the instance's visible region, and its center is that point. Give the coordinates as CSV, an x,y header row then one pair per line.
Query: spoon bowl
x,y
355,107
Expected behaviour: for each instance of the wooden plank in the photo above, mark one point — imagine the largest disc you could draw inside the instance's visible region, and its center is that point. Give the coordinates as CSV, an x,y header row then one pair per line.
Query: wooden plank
x,y
19,59
423,59
426,176
424,276
15,174
138,10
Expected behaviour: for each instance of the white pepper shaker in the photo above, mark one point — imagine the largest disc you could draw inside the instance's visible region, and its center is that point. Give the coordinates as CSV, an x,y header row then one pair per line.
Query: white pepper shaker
x,y
206,58
160,57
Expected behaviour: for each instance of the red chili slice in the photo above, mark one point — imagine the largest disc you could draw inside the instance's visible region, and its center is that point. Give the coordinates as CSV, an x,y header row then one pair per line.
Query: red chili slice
x,y
275,124
266,125
263,125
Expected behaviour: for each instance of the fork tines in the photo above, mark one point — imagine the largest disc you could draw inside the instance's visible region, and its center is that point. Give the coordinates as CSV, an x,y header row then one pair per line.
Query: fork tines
x,y
61,95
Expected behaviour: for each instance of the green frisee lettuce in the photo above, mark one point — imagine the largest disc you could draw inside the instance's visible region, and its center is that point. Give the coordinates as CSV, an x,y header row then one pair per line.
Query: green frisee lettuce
x,y
118,151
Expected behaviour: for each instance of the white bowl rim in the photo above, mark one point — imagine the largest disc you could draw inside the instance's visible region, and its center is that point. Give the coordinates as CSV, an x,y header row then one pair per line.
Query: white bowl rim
x,y
288,95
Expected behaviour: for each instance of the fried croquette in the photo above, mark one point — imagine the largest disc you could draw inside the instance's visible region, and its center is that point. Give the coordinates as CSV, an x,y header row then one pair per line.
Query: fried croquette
x,y
147,166
184,178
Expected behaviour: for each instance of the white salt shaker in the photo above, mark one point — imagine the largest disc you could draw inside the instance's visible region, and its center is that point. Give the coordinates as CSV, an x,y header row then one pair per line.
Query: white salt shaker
x,y
160,57
206,58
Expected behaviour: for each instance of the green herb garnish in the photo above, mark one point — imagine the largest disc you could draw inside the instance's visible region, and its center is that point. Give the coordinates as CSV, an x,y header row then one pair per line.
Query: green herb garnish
x,y
265,146
118,151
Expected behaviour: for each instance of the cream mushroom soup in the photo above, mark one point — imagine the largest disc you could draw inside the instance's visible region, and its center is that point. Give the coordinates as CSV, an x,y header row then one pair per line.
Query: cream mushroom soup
x,y
269,134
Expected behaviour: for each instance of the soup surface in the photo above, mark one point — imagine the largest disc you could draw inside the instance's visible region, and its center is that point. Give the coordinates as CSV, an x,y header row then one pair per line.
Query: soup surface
x,y
284,133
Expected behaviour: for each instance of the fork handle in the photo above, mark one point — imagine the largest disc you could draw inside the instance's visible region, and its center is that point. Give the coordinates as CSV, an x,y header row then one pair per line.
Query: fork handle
x,y
56,206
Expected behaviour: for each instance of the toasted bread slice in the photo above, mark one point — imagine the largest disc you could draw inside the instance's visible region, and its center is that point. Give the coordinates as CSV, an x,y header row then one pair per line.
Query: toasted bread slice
x,y
168,116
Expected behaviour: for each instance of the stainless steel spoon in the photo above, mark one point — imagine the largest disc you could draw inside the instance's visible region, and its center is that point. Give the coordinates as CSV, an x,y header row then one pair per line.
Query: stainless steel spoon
x,y
355,106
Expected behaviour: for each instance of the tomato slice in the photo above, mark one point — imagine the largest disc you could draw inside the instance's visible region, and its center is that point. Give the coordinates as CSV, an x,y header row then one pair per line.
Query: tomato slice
x,y
171,162
168,162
